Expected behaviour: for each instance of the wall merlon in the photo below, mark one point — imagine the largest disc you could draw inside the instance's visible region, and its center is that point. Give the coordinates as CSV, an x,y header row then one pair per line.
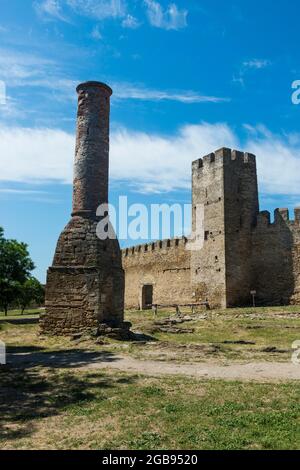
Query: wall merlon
x,y
249,158
281,215
154,246
197,164
237,155
223,152
297,214
208,159
264,218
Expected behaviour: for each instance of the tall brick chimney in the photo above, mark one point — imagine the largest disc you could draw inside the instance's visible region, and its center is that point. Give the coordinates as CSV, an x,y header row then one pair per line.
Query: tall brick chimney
x,y
85,285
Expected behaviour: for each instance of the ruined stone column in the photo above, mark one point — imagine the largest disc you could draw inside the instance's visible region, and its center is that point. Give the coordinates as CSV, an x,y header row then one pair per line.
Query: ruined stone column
x,y
90,187
85,284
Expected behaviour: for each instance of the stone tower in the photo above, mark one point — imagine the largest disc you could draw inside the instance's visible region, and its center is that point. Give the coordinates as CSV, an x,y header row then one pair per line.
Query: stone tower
x,y
225,195
85,285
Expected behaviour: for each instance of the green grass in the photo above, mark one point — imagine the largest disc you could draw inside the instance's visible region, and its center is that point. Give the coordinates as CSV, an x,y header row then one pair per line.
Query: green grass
x,y
58,409
61,407
266,327
17,313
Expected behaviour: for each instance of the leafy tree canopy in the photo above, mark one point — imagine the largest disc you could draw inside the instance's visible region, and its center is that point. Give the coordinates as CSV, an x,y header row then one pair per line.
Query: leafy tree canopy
x,y
15,268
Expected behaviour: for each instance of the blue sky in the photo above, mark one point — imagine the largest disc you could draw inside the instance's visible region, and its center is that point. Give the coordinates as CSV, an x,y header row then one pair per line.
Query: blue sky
x,y
188,77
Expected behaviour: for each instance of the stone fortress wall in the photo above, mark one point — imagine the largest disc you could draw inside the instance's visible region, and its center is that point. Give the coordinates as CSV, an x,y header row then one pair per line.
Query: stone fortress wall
x,y
165,265
276,257
242,251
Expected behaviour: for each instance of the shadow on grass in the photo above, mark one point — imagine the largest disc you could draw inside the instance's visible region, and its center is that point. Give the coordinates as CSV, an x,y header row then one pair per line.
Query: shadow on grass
x,y
20,321
23,349
22,356
29,393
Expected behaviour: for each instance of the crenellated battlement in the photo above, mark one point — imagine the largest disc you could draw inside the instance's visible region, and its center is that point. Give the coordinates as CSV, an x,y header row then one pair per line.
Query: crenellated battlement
x,y
281,217
161,245
224,154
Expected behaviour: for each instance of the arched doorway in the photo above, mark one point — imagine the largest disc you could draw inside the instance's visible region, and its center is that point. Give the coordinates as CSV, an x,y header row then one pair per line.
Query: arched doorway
x,y
147,296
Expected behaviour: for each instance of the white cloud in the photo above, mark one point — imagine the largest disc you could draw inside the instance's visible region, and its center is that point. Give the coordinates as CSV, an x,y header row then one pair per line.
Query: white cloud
x,y
171,18
99,9
20,191
278,161
50,9
150,162
16,66
154,163
25,70
35,155
130,22
128,91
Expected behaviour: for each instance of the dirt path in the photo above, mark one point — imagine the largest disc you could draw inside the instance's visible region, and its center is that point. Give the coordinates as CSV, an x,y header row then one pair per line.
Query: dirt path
x,y
252,371
259,371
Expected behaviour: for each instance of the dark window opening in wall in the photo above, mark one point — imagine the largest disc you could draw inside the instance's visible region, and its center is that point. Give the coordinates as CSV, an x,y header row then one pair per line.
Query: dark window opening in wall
x,y
139,249
146,247
160,244
168,243
126,252
216,258
206,235
147,296
153,246
176,242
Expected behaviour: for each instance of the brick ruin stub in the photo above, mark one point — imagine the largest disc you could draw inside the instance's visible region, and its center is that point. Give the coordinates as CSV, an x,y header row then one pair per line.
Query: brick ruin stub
x,y
85,284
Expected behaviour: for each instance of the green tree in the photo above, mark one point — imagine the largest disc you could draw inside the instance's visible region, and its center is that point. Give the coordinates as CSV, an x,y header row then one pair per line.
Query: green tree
x,y
15,268
31,291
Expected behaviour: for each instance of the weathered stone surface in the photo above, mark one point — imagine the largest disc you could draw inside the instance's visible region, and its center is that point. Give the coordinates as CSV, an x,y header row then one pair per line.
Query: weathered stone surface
x,y
165,265
85,285
242,251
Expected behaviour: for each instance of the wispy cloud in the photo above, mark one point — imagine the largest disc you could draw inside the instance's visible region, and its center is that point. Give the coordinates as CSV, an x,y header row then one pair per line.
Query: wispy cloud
x,y
170,18
96,33
247,66
131,22
99,9
16,66
128,91
43,155
257,64
50,9
25,70
20,191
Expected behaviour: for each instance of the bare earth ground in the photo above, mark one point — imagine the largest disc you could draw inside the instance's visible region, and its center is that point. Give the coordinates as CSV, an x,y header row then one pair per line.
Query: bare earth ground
x,y
240,344
255,371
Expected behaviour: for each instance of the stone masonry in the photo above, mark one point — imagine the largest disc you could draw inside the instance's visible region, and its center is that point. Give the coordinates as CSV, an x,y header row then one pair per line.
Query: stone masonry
x,y
85,285
242,251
